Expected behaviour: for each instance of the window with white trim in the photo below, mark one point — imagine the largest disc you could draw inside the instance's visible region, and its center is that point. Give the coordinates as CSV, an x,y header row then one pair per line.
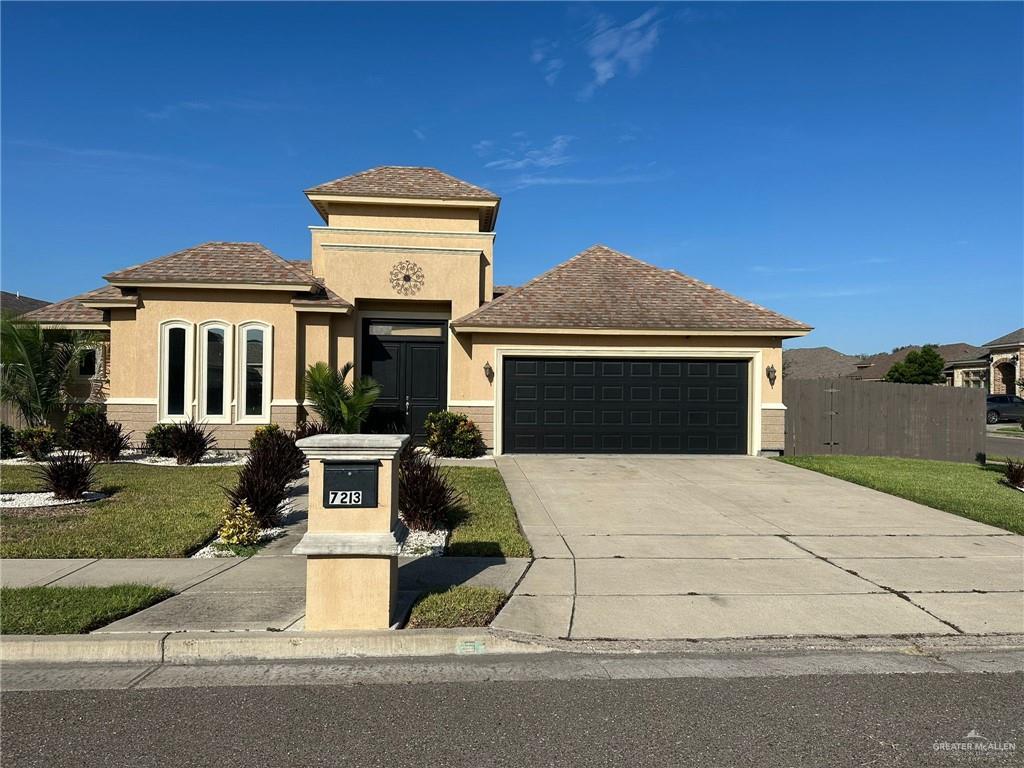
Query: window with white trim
x,y
215,366
255,372
176,354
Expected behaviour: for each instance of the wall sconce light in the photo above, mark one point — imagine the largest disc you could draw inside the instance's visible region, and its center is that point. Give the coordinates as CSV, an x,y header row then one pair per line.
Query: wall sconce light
x,y
488,371
772,374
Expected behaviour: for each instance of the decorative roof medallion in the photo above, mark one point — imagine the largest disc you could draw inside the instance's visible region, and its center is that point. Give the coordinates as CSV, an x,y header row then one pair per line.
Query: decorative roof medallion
x,y
406,278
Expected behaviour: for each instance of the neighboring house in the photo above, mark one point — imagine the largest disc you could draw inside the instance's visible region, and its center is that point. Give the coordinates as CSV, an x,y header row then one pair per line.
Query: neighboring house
x,y
15,304
827,363
875,367
603,353
997,369
85,313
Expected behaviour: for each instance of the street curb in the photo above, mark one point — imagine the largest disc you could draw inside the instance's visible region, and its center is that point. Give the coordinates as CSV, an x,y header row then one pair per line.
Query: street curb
x,y
207,647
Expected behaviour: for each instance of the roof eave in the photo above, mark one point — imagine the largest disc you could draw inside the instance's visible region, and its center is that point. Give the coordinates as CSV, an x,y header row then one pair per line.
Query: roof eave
x,y
781,333
319,200
210,284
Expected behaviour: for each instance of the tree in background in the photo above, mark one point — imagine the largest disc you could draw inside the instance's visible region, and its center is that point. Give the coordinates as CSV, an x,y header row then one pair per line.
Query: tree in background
x,y
36,367
923,366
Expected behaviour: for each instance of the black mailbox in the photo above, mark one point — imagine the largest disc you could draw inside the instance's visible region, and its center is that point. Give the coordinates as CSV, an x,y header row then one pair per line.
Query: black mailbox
x,y
350,485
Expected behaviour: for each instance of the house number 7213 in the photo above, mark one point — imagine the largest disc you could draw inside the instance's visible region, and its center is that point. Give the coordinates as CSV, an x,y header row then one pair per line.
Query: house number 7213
x,y
346,497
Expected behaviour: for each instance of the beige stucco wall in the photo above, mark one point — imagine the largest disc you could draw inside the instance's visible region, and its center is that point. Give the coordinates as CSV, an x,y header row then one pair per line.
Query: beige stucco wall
x,y
423,217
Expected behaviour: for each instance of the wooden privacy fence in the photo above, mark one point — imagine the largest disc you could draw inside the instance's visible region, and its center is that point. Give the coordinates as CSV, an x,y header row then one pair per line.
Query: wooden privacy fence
x,y
11,416
874,418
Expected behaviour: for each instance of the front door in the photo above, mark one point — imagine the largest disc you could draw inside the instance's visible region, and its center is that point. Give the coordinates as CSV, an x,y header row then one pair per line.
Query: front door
x,y
408,358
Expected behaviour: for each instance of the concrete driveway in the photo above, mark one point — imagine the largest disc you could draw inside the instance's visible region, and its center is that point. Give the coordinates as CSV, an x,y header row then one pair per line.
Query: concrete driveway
x,y
655,547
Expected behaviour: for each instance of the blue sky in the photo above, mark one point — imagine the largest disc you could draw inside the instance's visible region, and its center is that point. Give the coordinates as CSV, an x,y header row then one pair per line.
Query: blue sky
x,y
856,166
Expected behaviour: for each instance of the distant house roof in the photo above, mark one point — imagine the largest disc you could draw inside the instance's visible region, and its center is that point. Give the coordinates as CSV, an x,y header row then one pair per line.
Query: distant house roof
x,y
876,366
72,311
216,263
601,288
1013,338
500,290
818,363
15,304
403,181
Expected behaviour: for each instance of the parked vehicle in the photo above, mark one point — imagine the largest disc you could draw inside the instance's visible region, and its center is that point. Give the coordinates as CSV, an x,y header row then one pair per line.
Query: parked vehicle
x,y
1004,408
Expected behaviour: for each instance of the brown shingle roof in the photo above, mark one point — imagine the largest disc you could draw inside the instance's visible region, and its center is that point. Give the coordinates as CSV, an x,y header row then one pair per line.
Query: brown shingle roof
x,y
876,366
1013,337
603,289
72,311
216,262
15,304
402,181
322,298
818,363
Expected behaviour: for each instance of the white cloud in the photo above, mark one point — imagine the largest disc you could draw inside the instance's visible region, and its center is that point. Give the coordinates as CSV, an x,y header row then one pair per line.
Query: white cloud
x,y
419,134
174,109
523,155
612,48
542,55
483,147
525,181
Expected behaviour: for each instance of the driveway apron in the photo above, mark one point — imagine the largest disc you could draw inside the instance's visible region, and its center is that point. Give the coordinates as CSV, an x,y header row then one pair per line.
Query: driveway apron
x,y
659,547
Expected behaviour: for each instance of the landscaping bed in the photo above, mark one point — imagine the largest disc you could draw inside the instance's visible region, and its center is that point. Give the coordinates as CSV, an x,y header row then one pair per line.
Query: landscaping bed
x,y
460,606
968,490
71,610
152,511
488,526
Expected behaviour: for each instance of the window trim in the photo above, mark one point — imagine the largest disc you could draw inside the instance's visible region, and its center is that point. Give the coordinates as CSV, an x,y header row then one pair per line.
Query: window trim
x,y
162,382
229,368
268,371
97,351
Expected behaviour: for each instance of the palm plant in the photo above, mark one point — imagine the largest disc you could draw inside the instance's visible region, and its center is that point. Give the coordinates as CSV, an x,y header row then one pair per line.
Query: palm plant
x,y
343,407
35,366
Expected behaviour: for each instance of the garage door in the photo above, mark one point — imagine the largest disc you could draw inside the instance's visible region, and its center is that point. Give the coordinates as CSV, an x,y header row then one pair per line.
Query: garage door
x,y
624,405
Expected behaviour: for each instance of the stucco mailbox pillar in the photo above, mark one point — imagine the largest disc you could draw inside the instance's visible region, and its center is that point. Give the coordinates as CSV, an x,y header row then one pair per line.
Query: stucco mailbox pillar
x,y
354,534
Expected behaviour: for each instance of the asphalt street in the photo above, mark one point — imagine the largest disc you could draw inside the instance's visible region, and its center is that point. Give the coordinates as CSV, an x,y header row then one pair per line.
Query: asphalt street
x,y
814,720
996,446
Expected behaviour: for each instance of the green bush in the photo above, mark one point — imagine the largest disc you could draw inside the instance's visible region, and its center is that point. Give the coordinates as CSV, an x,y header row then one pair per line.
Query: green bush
x,y
8,443
158,440
82,424
276,449
67,475
240,526
453,434
35,442
426,498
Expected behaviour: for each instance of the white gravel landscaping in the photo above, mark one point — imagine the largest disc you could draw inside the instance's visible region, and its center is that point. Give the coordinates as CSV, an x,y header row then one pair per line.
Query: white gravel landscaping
x,y
425,543
212,459
41,499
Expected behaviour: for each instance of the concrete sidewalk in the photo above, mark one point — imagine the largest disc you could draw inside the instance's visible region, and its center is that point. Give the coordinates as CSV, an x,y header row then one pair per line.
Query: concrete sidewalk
x,y
241,594
678,547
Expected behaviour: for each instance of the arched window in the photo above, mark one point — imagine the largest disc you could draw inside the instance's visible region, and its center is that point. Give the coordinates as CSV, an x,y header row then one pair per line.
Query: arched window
x,y
215,369
255,372
176,355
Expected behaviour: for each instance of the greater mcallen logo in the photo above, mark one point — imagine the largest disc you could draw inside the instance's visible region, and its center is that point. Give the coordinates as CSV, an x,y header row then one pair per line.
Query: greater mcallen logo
x,y
974,744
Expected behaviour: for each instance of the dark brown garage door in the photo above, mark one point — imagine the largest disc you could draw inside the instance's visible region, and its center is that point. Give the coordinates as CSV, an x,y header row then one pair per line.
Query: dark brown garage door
x,y
624,405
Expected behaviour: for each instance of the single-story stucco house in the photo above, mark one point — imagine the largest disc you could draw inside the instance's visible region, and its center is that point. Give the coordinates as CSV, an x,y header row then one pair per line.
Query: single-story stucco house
x,y
998,369
603,353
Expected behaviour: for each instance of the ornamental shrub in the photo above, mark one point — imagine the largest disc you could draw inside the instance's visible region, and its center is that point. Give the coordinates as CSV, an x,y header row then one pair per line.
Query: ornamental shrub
x,y
189,442
260,486
81,424
240,526
453,434
426,498
35,442
310,427
158,440
67,475
275,448
1014,472
8,444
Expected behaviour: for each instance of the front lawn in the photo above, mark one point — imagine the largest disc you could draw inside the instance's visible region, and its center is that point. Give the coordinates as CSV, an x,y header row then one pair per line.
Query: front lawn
x,y
71,610
489,527
968,490
460,606
153,512
1015,430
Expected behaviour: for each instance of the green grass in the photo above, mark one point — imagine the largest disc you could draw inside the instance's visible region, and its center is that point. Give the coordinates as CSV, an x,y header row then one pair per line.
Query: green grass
x,y
460,606
71,610
968,490
489,527
1014,430
153,512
